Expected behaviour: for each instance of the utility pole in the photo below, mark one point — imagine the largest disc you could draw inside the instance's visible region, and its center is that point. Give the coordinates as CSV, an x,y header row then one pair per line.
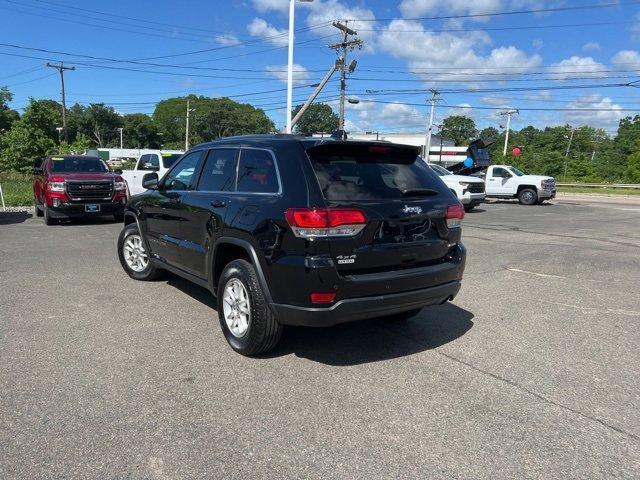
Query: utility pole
x,y
186,136
314,94
345,46
566,154
427,143
508,113
61,68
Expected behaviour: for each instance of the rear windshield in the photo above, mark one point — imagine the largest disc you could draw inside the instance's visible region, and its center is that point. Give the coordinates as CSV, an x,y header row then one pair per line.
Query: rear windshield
x,y
78,164
168,159
373,177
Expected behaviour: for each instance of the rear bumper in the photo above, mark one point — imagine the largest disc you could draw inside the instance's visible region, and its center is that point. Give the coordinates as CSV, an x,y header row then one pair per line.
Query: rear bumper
x,y
352,309
77,210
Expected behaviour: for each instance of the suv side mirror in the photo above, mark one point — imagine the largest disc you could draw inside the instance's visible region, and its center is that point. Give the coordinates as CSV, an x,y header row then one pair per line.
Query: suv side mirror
x,y
150,181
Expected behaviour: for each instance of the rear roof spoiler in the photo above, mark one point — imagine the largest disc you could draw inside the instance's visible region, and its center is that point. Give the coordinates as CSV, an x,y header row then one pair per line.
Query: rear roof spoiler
x,y
407,153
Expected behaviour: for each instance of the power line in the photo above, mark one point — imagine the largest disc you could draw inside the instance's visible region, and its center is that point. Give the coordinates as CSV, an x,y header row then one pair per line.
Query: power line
x,y
533,109
506,13
135,19
115,60
498,29
30,80
156,34
477,80
22,72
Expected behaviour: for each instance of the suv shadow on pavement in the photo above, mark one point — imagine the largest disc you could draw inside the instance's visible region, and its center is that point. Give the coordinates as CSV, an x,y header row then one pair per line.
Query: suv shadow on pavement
x,y
359,342
8,218
376,340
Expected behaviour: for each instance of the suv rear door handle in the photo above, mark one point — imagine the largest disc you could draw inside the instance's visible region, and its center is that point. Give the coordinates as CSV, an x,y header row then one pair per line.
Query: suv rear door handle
x,y
218,203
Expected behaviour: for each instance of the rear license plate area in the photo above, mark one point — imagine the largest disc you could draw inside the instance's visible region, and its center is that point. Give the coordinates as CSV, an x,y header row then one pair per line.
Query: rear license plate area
x,y
92,208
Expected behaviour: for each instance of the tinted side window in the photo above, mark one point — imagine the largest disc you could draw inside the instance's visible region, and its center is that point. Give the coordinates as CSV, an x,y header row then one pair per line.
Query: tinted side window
x,y
150,162
182,176
257,172
219,172
498,172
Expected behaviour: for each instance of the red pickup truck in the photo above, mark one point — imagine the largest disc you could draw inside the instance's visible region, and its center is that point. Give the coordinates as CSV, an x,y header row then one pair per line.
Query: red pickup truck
x,y
72,186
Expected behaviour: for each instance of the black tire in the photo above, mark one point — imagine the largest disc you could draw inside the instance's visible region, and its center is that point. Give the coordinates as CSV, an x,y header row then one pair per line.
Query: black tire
x,y
403,316
48,220
118,217
264,331
528,196
150,272
39,212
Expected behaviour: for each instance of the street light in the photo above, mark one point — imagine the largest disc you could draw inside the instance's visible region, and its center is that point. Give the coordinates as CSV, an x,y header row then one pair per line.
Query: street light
x,y
292,5
120,129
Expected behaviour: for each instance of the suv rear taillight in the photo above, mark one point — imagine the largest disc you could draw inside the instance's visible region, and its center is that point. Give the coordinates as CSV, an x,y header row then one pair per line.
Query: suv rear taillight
x,y
325,222
455,214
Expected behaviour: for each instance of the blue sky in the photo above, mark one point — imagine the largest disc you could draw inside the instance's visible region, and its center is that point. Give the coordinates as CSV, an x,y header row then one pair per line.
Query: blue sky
x,y
530,61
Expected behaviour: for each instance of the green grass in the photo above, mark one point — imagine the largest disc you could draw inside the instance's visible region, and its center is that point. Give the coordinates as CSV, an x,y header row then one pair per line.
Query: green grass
x,y
601,190
17,189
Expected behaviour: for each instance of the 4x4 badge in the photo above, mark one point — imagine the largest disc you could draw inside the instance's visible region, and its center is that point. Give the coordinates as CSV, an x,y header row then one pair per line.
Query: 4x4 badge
x,y
408,209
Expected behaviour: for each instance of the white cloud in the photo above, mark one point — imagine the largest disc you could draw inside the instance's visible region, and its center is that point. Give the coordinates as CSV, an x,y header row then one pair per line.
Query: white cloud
x,y
635,28
398,114
327,11
496,101
260,28
266,5
322,13
607,117
626,60
414,8
538,44
576,67
463,109
301,75
227,39
591,47
543,95
444,56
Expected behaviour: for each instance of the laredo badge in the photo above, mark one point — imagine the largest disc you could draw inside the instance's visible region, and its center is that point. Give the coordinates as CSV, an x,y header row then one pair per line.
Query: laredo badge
x,y
345,259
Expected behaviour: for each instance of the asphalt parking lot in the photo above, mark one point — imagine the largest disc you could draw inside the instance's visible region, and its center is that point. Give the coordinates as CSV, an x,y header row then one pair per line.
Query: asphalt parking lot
x,y
531,373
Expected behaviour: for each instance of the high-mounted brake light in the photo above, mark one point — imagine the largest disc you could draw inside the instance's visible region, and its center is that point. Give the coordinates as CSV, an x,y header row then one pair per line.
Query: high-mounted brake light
x,y
325,222
377,150
455,214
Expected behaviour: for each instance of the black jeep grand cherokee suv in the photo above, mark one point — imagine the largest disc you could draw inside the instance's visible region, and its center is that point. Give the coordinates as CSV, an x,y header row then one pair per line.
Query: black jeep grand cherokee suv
x,y
288,231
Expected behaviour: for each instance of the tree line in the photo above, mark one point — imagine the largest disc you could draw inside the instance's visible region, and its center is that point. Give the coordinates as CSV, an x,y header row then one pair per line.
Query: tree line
x,y
584,154
27,138
593,156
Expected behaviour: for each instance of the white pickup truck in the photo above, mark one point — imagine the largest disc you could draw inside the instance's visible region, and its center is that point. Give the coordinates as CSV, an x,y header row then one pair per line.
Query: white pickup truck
x,y
150,161
469,190
505,181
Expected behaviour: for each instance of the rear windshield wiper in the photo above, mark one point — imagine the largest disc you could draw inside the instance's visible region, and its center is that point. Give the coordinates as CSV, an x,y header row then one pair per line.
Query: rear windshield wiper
x,y
419,192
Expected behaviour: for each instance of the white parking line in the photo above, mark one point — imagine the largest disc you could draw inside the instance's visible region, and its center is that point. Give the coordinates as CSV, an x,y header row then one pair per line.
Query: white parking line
x,y
546,275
